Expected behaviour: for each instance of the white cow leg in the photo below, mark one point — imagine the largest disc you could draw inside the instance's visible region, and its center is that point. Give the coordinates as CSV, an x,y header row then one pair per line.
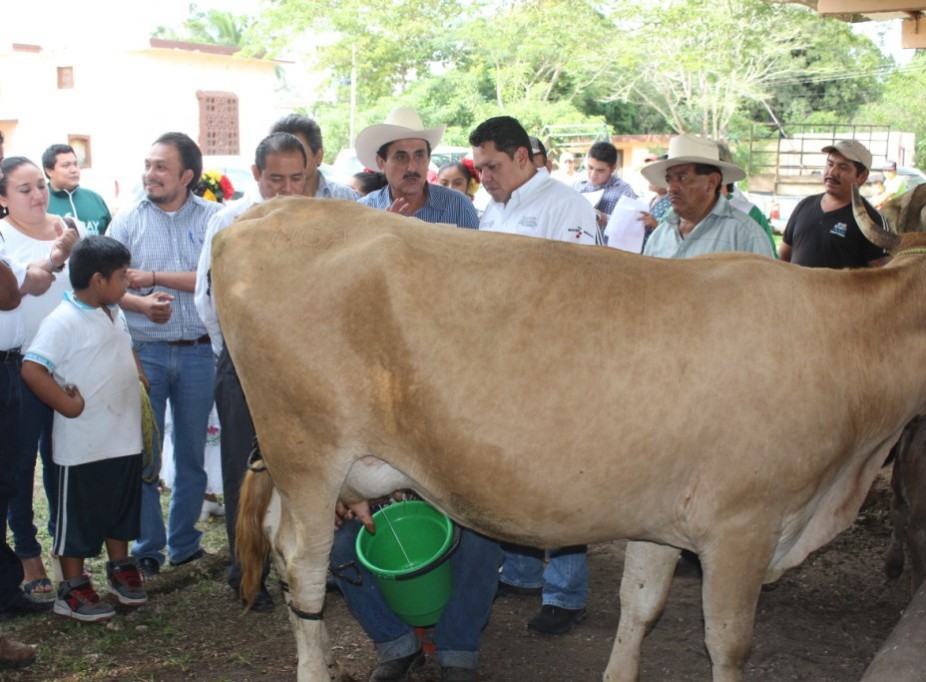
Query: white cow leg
x,y
305,584
648,571
733,573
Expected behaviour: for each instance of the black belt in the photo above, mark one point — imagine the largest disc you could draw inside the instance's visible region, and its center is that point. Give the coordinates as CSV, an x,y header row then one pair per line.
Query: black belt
x,y
190,342
11,355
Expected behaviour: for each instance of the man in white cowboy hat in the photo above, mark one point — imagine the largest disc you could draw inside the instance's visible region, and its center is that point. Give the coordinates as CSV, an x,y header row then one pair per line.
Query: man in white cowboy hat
x,y
822,232
702,220
401,148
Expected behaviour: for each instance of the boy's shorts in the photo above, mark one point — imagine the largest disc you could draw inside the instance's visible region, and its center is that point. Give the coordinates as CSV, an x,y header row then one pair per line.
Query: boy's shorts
x,y
96,501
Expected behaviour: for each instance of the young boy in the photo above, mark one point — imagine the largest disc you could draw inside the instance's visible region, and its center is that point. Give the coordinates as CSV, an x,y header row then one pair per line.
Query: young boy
x,y
81,364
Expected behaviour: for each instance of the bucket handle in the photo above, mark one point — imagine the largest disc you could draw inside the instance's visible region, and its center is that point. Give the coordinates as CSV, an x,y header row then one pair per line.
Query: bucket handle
x,y
454,544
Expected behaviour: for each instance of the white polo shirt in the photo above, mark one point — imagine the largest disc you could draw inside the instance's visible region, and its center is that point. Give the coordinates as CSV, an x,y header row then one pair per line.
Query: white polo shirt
x,y
83,346
543,207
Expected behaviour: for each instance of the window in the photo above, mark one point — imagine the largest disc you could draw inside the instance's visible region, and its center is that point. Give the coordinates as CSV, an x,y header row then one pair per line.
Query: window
x,y
218,123
81,145
65,77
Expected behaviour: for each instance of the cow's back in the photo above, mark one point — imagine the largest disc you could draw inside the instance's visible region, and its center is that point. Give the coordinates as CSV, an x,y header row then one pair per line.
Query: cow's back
x,y
520,381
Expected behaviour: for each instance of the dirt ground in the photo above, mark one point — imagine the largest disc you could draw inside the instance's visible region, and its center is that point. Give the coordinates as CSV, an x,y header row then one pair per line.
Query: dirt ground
x,y
822,621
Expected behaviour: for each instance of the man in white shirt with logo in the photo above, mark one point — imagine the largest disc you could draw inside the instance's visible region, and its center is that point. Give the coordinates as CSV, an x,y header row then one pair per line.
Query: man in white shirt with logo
x,y
529,202
525,201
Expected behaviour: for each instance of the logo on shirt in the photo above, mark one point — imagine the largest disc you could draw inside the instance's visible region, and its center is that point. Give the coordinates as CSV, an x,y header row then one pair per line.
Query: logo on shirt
x,y
528,221
839,229
577,232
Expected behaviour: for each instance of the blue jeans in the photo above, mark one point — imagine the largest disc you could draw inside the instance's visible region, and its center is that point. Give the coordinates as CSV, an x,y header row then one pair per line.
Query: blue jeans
x,y
564,579
34,437
185,375
11,568
458,633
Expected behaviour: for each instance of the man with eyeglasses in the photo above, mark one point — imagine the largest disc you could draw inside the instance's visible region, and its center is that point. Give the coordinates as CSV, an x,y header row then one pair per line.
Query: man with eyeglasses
x,y
702,220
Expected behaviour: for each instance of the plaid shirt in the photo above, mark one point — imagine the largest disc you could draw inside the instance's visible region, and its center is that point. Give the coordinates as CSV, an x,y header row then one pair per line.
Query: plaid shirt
x,y
614,189
443,205
167,242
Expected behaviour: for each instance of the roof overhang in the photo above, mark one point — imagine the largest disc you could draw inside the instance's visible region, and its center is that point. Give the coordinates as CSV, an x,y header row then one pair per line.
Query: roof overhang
x,y
911,12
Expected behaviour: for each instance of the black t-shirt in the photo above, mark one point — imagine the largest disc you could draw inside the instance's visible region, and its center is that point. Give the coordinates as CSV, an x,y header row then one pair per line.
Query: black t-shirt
x,y
829,240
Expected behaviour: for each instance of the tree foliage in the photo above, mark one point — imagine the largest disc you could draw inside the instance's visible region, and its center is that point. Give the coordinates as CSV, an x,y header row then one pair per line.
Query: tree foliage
x,y
702,66
211,27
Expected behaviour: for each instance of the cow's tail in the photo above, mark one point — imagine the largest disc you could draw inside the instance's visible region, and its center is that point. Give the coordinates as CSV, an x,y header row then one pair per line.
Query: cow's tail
x,y
251,542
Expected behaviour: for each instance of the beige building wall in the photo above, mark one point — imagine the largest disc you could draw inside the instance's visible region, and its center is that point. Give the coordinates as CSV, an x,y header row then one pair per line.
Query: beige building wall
x,y
123,100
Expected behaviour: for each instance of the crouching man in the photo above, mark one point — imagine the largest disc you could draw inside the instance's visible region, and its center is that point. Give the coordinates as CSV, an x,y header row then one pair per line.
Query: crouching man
x,y
457,634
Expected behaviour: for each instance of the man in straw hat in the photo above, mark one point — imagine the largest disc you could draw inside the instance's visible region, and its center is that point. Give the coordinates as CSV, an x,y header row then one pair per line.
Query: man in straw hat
x,y
702,220
401,148
822,232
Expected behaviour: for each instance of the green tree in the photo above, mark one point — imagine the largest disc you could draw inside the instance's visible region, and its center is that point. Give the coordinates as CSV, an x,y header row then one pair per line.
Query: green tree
x,y
212,27
699,62
903,105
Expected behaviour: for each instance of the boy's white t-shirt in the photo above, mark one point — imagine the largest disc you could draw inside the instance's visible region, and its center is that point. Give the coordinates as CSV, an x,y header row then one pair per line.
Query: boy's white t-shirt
x,y
81,345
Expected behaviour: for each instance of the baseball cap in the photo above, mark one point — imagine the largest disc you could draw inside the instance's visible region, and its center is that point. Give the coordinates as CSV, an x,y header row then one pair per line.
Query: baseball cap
x,y
537,146
852,150
889,165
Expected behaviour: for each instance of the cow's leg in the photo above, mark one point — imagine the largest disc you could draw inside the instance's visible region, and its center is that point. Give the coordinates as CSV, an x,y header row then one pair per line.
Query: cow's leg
x,y
733,574
304,594
648,571
900,512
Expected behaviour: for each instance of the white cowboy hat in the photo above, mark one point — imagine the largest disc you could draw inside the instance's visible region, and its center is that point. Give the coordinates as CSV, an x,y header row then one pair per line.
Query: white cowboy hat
x,y
691,149
402,124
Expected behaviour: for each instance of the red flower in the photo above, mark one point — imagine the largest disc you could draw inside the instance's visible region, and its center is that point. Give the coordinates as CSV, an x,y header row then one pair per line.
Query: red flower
x,y
228,191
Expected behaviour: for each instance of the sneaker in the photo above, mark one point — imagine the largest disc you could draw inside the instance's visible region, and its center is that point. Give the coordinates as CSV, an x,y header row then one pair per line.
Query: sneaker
x,y
553,620
77,599
148,567
124,580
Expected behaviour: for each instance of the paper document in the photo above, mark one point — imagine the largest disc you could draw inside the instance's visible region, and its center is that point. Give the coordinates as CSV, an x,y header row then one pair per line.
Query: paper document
x,y
625,228
593,197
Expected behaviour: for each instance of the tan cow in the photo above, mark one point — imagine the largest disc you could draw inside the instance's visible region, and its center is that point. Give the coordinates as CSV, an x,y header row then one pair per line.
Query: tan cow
x,y
744,405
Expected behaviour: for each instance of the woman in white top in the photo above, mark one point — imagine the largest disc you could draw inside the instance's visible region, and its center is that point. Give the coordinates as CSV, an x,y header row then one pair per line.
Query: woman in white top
x,y
33,236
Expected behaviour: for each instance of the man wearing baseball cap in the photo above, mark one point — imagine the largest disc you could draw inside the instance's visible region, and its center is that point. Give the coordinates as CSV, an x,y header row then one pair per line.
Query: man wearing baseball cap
x,y
822,232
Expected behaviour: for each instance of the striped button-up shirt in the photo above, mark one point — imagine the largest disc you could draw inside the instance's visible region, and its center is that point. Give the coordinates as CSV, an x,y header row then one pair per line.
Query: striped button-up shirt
x,y
334,190
168,242
443,205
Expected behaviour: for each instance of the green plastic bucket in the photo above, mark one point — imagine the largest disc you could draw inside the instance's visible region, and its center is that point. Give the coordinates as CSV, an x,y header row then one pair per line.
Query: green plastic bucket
x,y
408,555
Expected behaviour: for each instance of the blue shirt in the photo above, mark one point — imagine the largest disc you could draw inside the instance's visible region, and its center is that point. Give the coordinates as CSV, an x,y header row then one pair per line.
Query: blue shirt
x,y
443,205
334,190
723,229
169,242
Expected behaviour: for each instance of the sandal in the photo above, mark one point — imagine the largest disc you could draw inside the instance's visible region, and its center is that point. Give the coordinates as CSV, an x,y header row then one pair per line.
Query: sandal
x,y
40,589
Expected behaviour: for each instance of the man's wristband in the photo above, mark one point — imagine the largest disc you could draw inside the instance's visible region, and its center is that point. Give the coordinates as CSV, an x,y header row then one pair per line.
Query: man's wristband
x,y
51,265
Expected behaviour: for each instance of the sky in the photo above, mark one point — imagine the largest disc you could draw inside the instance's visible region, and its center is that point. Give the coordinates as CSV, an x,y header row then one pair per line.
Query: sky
x,y
99,21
